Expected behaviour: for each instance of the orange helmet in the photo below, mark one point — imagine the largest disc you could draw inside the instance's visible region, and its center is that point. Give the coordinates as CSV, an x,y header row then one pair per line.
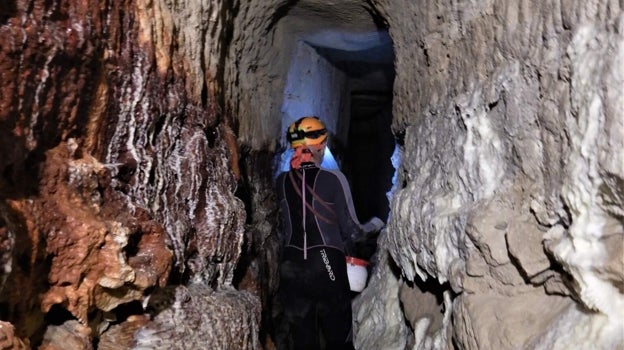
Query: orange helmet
x,y
308,131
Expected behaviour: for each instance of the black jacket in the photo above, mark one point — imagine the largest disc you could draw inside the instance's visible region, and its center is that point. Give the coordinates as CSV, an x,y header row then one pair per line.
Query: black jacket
x,y
330,219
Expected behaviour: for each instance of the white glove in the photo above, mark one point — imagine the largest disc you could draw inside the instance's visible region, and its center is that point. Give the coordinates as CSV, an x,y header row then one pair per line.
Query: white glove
x,y
373,225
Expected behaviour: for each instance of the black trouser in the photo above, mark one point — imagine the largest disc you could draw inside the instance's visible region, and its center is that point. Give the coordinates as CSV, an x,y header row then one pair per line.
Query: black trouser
x,y
316,300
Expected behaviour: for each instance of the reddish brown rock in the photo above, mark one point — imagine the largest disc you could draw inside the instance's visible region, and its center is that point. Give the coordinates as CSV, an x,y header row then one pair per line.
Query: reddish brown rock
x,y
117,172
99,254
8,339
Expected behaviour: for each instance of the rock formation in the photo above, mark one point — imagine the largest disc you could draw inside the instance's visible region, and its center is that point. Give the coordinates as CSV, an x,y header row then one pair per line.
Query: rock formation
x,y
510,180
140,139
119,169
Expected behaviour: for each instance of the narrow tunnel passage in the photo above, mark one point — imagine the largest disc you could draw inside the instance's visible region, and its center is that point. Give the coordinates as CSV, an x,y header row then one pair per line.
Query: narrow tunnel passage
x,y
463,99
343,72
139,141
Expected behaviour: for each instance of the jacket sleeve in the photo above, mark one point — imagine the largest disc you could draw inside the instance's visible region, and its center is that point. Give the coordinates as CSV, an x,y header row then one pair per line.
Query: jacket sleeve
x,y
350,227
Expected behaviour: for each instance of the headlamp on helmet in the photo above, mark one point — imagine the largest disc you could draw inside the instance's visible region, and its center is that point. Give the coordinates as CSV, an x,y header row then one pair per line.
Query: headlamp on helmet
x,y
308,131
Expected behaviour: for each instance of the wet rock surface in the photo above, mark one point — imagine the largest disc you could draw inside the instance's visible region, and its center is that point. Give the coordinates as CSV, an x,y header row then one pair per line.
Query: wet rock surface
x,y
505,167
118,172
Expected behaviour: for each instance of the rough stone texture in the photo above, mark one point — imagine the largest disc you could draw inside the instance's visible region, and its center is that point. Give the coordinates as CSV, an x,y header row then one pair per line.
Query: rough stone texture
x,y
511,180
313,87
377,306
69,335
512,168
8,339
180,311
118,167
523,315
7,243
257,271
98,254
266,35
121,336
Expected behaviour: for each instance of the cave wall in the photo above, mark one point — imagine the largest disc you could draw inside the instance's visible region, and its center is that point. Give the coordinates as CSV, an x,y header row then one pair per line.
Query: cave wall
x,y
119,167
255,72
508,230
266,35
313,87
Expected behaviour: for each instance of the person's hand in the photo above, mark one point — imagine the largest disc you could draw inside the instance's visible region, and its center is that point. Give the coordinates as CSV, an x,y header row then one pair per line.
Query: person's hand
x,y
374,225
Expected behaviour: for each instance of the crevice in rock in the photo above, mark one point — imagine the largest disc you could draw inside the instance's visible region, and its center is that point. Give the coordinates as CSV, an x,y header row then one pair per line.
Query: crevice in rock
x,y
7,10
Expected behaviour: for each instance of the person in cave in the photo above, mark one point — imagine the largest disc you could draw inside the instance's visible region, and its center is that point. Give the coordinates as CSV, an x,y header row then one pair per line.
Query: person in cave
x,y
319,229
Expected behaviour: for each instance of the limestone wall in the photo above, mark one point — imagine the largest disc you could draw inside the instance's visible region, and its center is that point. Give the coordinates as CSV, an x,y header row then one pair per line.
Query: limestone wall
x,y
313,87
511,213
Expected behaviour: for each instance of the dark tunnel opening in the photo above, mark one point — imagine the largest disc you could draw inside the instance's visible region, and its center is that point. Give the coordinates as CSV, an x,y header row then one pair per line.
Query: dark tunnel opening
x,y
371,145
342,72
